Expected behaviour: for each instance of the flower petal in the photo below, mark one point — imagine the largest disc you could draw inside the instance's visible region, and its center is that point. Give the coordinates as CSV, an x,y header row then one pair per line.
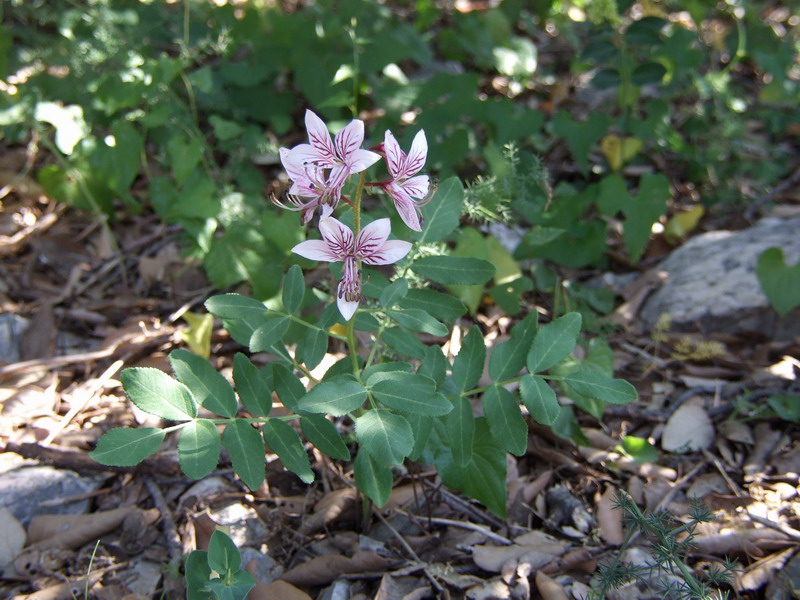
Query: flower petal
x,y
320,149
416,187
315,250
346,307
405,206
416,156
292,163
349,139
338,237
389,253
395,157
362,159
372,237
309,155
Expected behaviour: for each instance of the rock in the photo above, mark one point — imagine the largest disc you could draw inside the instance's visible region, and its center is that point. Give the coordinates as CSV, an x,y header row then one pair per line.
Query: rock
x,y
712,286
41,490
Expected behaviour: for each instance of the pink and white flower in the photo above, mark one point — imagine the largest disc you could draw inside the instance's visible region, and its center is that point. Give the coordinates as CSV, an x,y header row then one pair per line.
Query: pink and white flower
x,y
310,187
408,190
371,246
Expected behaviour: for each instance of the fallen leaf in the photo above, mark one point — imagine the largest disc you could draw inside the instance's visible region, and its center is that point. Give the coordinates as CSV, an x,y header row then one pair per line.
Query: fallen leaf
x,y
12,537
277,590
609,519
73,531
322,570
331,507
688,429
618,150
549,588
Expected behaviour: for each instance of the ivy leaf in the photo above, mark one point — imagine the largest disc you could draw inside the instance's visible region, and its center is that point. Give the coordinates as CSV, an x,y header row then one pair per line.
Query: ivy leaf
x,y
385,435
253,384
207,385
505,420
508,358
372,478
125,447
554,342
284,441
540,399
468,365
337,396
156,393
323,434
246,449
198,448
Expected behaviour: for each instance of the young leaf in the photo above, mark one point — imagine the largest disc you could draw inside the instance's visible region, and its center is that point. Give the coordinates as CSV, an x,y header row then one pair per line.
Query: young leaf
x,y
253,384
323,434
198,335
207,385
418,320
779,281
434,365
125,447
596,385
155,392
294,287
268,334
508,358
468,365
246,448
223,555
540,399
288,387
372,478
197,575
454,269
284,441
461,430
234,587
312,348
409,393
385,435
505,420
394,292
554,342
337,396
404,342
198,448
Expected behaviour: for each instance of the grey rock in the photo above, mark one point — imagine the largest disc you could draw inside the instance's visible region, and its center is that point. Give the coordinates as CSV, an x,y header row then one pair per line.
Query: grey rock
x,y
28,491
712,286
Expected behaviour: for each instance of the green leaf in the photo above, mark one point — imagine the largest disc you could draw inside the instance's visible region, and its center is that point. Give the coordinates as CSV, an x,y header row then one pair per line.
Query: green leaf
x,y
268,334
235,306
649,72
294,288
639,449
508,295
581,136
223,555
418,320
236,586
125,447
288,387
246,449
454,269
443,212
468,365
253,384
404,342
508,358
372,478
434,365
207,385
198,335
780,282
284,441
312,347
441,306
422,426
385,435
505,420
394,292
323,434
787,407
155,392
198,448
460,430
540,399
197,575
337,396
408,393
383,368
554,342
601,387
184,156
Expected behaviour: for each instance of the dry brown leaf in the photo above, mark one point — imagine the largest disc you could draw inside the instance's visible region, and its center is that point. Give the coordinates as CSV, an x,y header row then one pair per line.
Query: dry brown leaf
x,y
331,507
549,588
609,520
62,591
493,589
537,486
73,531
277,590
689,428
758,574
12,537
402,588
322,570
753,542
495,558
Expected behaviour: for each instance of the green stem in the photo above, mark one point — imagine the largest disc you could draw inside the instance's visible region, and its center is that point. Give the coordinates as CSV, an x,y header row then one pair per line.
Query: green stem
x,y
351,329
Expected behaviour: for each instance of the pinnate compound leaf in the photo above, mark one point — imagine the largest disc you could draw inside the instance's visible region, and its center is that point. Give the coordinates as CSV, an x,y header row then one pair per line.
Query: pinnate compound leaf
x,y
125,447
508,358
461,430
337,396
372,478
593,384
404,342
468,365
394,292
554,342
294,288
434,365
312,348
288,387
246,449
506,424
284,441
223,555
268,334
540,399
198,448
410,393
156,393
323,434
418,320
385,435
253,384
207,385
454,269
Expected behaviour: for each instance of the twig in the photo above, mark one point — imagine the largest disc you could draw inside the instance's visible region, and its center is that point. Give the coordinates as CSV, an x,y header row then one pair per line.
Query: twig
x,y
471,526
784,529
174,546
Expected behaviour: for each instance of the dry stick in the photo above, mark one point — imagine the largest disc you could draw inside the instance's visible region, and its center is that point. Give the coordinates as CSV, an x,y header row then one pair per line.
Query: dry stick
x,y
467,525
786,530
174,546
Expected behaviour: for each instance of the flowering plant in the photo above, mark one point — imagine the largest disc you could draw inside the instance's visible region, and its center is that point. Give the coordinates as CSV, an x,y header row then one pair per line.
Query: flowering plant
x,y
403,399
